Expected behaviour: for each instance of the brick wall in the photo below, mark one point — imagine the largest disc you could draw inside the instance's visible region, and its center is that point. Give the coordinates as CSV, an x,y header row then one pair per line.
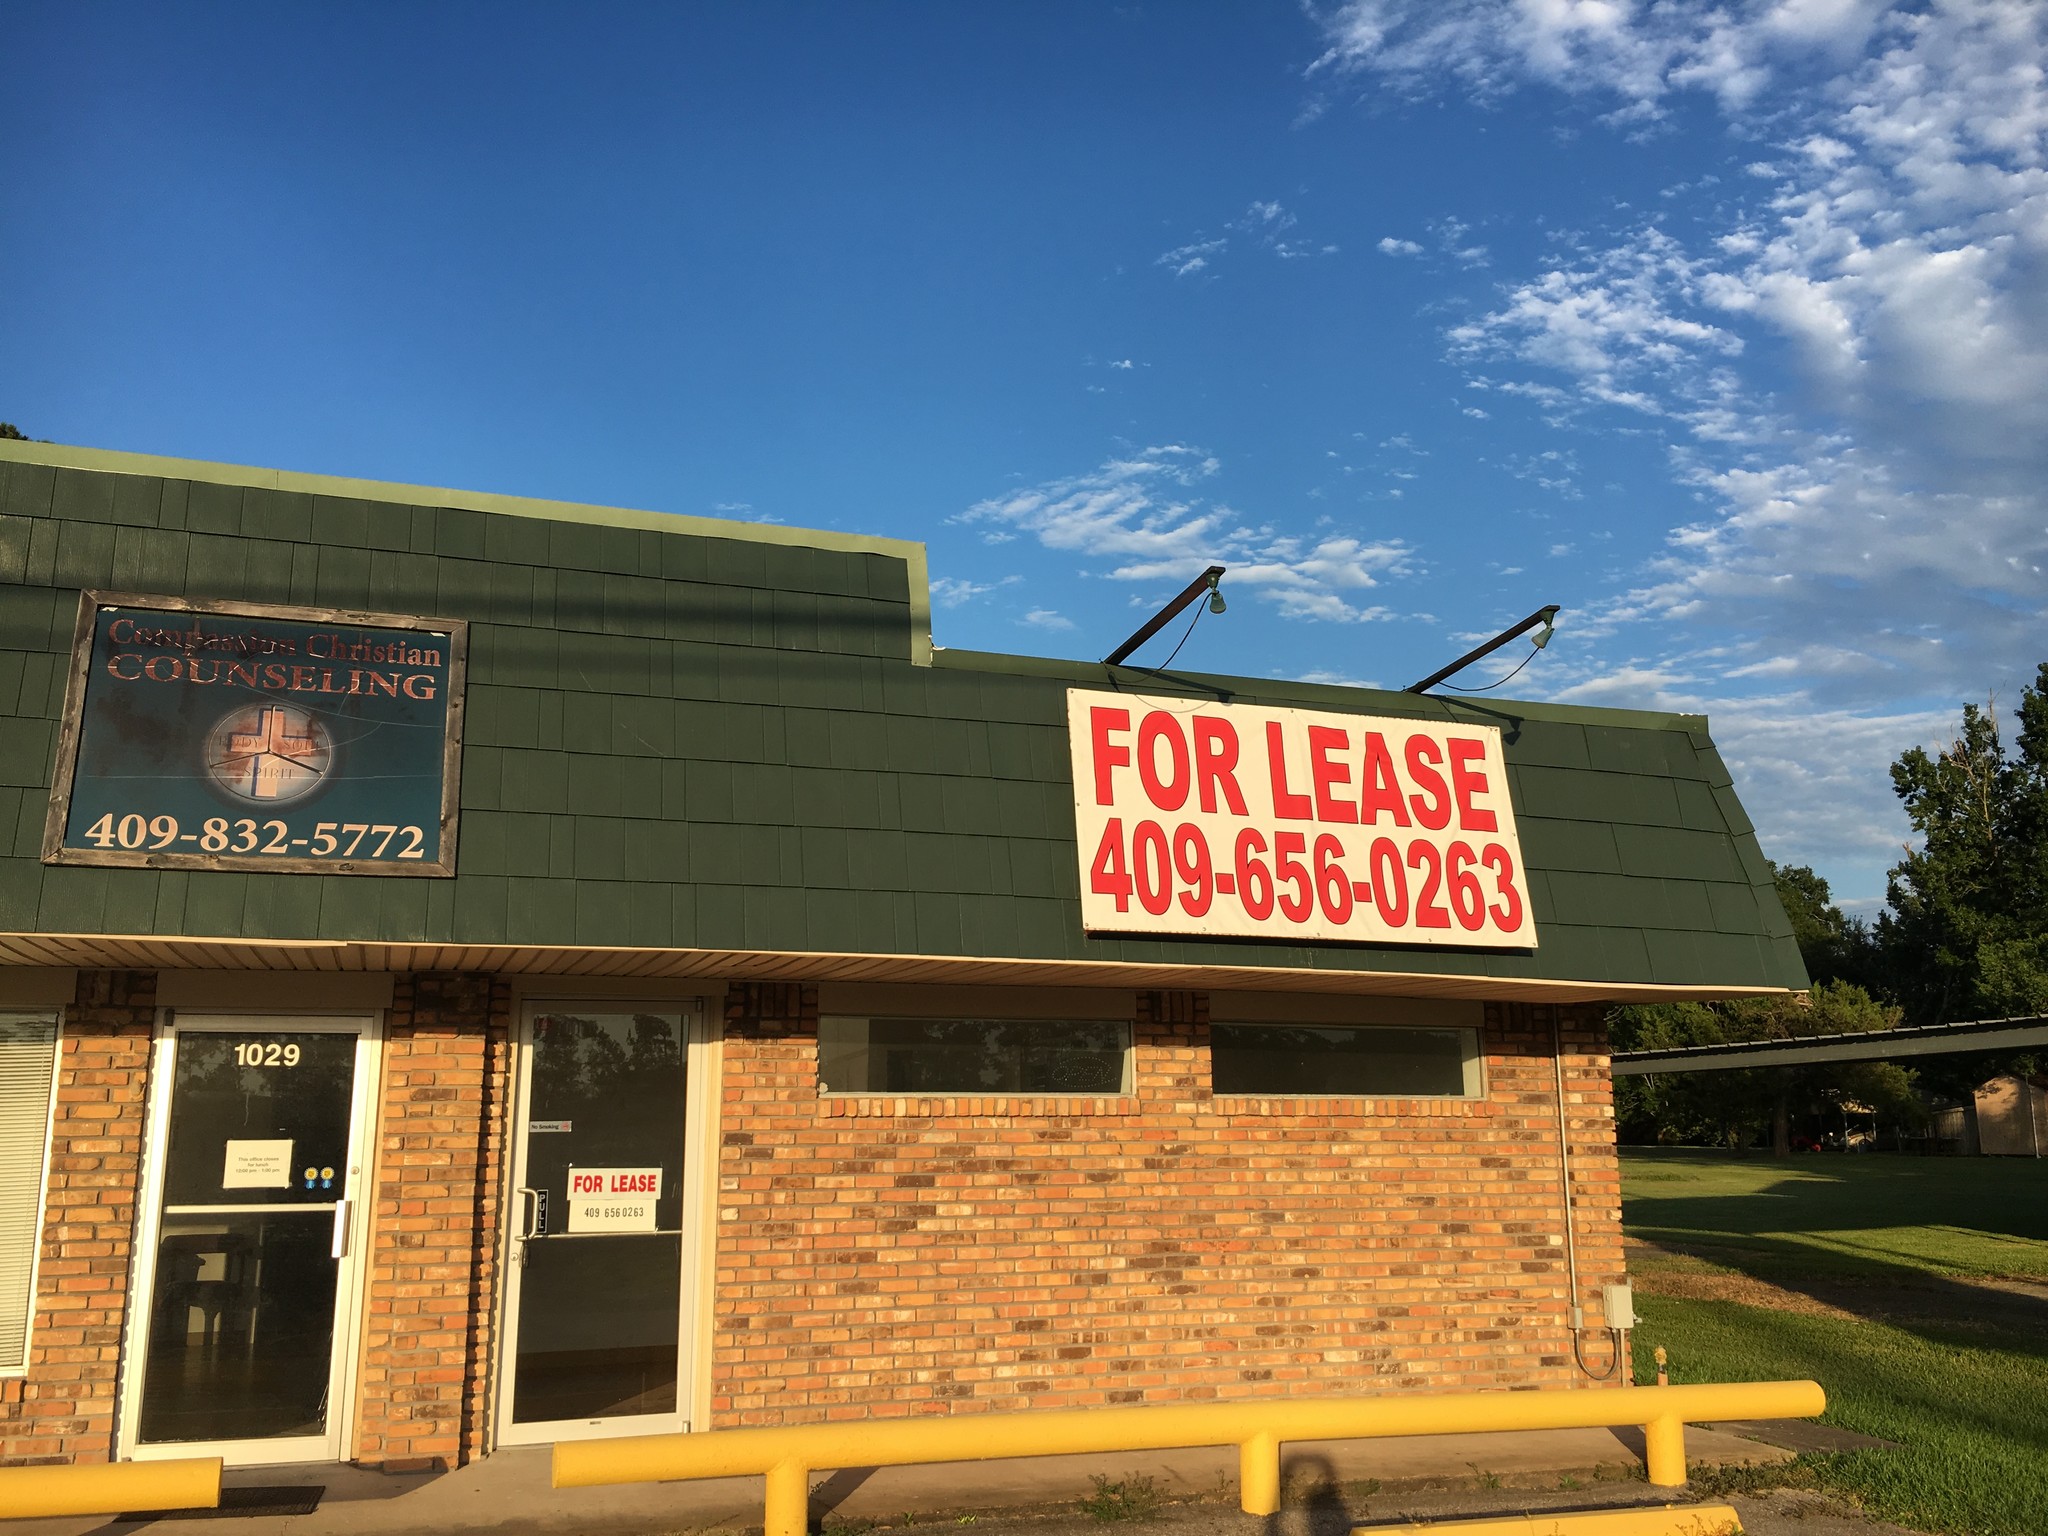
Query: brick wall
x,y
435,1233
63,1410
897,1256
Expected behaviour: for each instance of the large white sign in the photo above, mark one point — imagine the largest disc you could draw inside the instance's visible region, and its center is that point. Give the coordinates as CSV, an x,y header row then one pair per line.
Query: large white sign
x,y
613,1199
1235,819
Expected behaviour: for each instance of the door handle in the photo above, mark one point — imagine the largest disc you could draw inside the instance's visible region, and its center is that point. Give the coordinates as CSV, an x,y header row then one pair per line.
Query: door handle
x,y
341,1216
529,1222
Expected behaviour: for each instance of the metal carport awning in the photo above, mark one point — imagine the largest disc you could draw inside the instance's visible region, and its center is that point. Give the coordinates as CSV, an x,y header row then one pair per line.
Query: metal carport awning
x,y
1869,1045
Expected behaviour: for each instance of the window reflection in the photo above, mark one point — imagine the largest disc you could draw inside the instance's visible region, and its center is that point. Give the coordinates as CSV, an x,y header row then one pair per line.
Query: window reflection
x,y
1366,1061
972,1056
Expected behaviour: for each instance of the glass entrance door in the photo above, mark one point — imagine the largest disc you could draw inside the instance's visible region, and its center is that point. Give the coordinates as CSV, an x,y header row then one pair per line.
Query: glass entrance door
x,y
595,1339
241,1331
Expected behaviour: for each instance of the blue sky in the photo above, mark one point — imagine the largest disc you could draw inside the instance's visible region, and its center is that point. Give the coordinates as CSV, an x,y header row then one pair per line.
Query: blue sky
x,y
1726,327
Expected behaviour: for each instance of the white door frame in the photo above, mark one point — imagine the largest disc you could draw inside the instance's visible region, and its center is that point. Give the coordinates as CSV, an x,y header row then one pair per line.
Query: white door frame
x,y
700,1106
349,1280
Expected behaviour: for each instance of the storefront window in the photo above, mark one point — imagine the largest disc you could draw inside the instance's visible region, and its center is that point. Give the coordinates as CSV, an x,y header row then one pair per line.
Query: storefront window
x,y
973,1056
28,1059
1344,1061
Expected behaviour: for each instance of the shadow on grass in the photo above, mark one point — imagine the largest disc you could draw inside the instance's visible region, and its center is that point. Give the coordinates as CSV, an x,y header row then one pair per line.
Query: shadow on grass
x,y
1820,1193
1906,1296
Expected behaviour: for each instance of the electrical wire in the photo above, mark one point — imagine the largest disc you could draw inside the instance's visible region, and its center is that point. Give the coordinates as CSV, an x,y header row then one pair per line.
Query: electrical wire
x,y
1200,609
1579,1353
1525,661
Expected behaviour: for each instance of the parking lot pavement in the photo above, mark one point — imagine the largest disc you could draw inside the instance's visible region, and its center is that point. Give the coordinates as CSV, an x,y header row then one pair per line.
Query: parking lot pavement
x,y
1332,1488
1338,1511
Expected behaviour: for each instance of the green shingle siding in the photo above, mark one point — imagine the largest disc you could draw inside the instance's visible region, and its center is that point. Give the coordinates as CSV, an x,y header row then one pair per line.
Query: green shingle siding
x,y
681,739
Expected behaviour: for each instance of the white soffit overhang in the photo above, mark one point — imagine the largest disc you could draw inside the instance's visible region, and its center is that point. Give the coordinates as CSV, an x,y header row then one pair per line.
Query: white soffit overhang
x,y
144,952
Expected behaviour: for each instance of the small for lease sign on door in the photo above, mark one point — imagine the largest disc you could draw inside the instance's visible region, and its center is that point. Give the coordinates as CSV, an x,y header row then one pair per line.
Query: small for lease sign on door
x,y
613,1199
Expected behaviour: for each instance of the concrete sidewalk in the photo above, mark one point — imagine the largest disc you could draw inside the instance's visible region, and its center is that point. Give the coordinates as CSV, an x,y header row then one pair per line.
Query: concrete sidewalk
x,y
509,1491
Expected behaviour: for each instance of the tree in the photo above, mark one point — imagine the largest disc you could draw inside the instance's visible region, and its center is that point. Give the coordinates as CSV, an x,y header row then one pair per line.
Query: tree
x,y
1737,1108
1834,946
9,432
1966,935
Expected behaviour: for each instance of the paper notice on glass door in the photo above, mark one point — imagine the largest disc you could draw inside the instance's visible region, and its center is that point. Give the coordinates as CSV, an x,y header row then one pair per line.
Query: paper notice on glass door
x,y
613,1199
258,1165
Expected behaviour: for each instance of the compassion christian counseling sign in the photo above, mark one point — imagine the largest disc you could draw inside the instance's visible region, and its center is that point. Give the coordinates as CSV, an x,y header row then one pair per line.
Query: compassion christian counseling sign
x,y
237,736
1232,819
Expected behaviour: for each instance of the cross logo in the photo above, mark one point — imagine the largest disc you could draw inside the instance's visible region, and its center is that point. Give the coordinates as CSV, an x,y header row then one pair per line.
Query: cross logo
x,y
268,753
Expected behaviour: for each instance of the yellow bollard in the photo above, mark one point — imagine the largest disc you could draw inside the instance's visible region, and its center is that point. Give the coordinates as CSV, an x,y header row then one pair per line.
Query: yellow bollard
x,y
1258,1474
1664,1451
108,1489
786,1456
789,1500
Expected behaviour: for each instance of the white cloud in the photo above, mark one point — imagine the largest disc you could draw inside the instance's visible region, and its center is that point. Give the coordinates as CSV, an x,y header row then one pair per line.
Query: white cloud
x,y
1392,247
1123,363
1872,544
1047,618
1630,57
952,591
1450,239
1139,520
1186,260
1263,226
743,511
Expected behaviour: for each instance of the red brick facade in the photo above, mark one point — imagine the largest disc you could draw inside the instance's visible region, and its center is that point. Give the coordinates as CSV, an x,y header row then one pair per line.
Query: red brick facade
x,y
431,1292
63,1410
900,1256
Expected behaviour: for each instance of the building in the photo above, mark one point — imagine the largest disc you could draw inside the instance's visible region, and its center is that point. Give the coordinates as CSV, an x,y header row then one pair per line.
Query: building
x,y
2008,1117
478,971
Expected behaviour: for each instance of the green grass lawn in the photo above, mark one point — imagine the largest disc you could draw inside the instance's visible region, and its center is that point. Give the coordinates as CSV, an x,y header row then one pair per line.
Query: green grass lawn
x,y
1756,1262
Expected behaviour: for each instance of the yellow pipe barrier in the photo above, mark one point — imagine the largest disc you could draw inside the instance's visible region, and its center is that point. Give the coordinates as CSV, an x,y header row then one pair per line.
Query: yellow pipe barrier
x,y
191,1482
786,1457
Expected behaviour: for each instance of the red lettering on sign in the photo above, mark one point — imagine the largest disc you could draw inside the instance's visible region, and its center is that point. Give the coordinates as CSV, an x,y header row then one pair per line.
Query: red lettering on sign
x,y
1326,775
1433,805
1159,727
1497,859
1100,723
1108,876
1379,786
1286,803
1216,764
1429,906
1466,781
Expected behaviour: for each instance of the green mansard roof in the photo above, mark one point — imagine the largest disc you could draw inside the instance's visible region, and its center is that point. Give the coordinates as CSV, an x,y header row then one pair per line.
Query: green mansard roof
x,y
687,735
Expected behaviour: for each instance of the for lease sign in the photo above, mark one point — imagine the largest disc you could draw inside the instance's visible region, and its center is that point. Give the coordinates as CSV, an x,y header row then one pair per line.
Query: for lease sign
x,y
613,1199
1236,819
